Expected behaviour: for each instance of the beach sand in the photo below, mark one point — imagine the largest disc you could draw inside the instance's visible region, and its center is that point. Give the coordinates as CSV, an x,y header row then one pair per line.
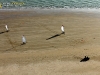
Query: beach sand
x,y
59,55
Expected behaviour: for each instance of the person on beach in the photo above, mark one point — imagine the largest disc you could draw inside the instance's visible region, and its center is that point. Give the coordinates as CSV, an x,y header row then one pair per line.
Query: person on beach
x,y
6,28
62,29
23,40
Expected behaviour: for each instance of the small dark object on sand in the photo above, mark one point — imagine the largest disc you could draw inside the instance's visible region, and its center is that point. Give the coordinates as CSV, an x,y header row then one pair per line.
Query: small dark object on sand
x,y
86,58
23,43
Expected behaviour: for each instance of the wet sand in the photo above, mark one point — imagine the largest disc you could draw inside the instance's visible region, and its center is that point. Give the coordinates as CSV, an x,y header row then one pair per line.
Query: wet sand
x,y
59,55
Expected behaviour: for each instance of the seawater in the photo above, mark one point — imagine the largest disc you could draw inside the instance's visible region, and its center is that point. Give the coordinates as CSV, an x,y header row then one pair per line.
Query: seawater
x,y
50,3
61,5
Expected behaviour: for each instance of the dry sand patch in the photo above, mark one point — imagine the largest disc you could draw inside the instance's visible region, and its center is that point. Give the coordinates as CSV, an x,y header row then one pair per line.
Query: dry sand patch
x,y
56,56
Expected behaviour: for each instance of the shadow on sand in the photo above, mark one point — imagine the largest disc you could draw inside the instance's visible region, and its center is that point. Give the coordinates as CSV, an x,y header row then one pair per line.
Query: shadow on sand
x,y
14,47
3,32
54,36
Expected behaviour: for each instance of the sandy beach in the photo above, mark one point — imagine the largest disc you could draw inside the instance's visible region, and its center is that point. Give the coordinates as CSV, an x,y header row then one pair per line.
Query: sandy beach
x,y
59,55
